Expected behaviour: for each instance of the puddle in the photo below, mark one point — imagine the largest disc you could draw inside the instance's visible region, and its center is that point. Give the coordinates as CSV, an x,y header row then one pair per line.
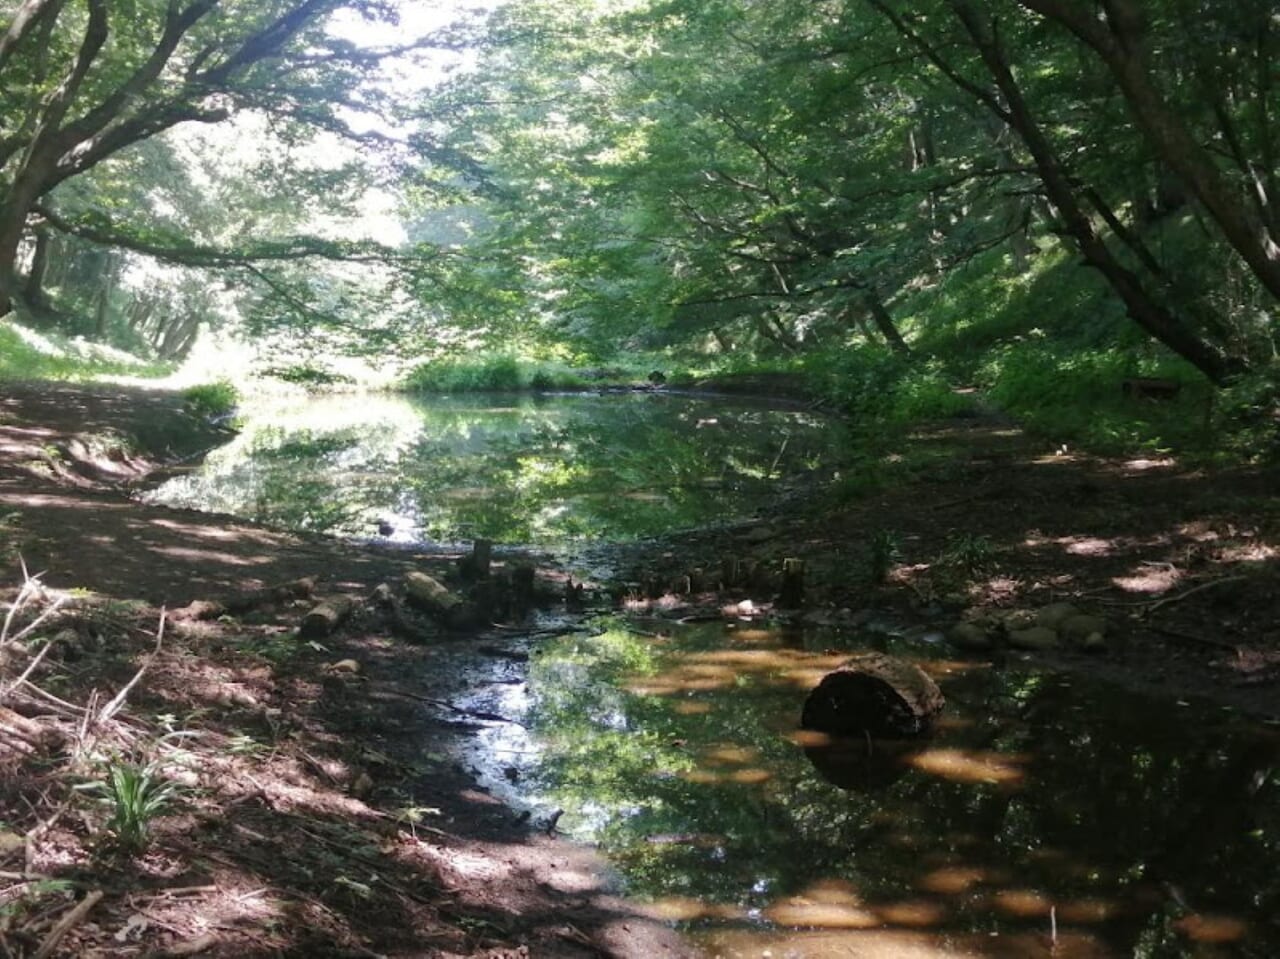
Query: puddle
x,y
1047,815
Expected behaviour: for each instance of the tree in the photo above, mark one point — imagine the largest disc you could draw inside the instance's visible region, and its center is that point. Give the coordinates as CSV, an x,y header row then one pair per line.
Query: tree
x,y
83,82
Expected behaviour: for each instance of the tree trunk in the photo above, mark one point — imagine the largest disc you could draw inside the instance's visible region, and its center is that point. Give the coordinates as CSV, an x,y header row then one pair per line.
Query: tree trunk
x,y
35,290
1121,44
884,323
102,304
1142,307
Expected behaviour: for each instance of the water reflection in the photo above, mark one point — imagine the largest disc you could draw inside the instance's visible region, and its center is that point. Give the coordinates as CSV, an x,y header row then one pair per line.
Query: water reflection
x,y
515,469
1045,815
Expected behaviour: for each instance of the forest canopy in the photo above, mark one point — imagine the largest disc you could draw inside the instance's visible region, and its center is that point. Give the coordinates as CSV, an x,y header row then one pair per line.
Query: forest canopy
x,y
754,181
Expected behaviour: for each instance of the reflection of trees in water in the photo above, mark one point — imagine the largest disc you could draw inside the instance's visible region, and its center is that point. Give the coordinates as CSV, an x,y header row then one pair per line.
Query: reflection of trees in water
x,y
534,469
1118,809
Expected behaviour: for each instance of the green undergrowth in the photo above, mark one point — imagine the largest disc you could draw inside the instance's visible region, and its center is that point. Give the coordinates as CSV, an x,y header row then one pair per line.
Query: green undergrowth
x,y
211,400
506,372
27,354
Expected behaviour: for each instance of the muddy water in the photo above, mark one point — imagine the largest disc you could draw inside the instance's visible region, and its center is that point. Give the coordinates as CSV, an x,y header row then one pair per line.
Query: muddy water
x,y
539,470
1047,815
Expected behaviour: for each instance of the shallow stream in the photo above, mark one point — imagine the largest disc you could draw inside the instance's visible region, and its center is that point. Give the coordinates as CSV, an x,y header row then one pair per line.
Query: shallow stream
x,y
1048,815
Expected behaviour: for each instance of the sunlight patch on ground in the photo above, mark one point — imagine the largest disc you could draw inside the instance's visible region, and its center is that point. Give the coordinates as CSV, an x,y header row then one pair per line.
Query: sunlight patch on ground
x,y
209,555
1146,465
1249,553
954,880
895,944
688,909
1023,903
45,501
1210,928
822,915
971,766
1150,580
1086,546
219,534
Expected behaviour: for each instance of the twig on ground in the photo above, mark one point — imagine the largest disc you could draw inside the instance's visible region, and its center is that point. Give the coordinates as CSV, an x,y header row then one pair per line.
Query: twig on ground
x,y
117,703
470,713
1151,605
1193,638
67,923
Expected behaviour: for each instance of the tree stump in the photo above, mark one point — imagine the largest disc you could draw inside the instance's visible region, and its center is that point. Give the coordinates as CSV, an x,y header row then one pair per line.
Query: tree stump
x,y
873,695
476,564
324,618
792,594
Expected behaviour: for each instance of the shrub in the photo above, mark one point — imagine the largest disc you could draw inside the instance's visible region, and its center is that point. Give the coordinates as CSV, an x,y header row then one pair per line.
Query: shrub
x,y
500,372
211,400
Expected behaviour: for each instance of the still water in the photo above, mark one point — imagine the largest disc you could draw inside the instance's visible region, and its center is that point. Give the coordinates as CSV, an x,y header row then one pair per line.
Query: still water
x,y
517,469
1047,816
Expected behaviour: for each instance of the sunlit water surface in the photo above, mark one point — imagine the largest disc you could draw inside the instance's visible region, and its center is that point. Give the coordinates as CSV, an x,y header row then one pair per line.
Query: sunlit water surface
x,y
516,469
1047,816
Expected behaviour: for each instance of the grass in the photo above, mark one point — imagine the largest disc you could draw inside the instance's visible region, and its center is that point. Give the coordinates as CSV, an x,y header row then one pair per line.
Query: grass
x,y
27,354
134,795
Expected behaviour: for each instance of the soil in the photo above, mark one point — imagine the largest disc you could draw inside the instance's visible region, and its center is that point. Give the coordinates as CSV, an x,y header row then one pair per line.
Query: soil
x,y
320,812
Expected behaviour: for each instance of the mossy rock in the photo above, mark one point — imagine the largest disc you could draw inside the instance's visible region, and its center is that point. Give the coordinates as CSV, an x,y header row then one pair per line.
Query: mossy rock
x,y
970,636
1035,639
1077,629
1055,614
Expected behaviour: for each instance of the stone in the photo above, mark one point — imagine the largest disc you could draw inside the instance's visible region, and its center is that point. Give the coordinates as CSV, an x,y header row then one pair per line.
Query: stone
x,y
1035,639
1094,643
1055,614
1079,628
970,636
1018,619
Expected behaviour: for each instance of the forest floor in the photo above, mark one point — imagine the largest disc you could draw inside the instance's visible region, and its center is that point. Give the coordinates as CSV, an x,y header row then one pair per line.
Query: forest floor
x,y
320,811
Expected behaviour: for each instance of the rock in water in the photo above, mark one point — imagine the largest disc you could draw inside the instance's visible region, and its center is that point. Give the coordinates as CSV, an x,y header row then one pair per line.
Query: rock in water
x,y
875,695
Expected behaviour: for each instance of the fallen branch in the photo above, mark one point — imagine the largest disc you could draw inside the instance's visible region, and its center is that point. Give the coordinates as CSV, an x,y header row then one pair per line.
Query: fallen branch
x,y
469,713
117,703
1151,605
67,923
1193,638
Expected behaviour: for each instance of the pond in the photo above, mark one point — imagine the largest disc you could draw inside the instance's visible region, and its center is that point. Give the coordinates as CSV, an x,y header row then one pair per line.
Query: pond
x,y
1048,815
541,470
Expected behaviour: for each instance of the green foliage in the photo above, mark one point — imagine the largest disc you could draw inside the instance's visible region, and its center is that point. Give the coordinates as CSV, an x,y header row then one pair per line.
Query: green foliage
x,y
29,355
1066,392
134,795
491,373
306,374
211,400
968,554
1245,419
883,548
